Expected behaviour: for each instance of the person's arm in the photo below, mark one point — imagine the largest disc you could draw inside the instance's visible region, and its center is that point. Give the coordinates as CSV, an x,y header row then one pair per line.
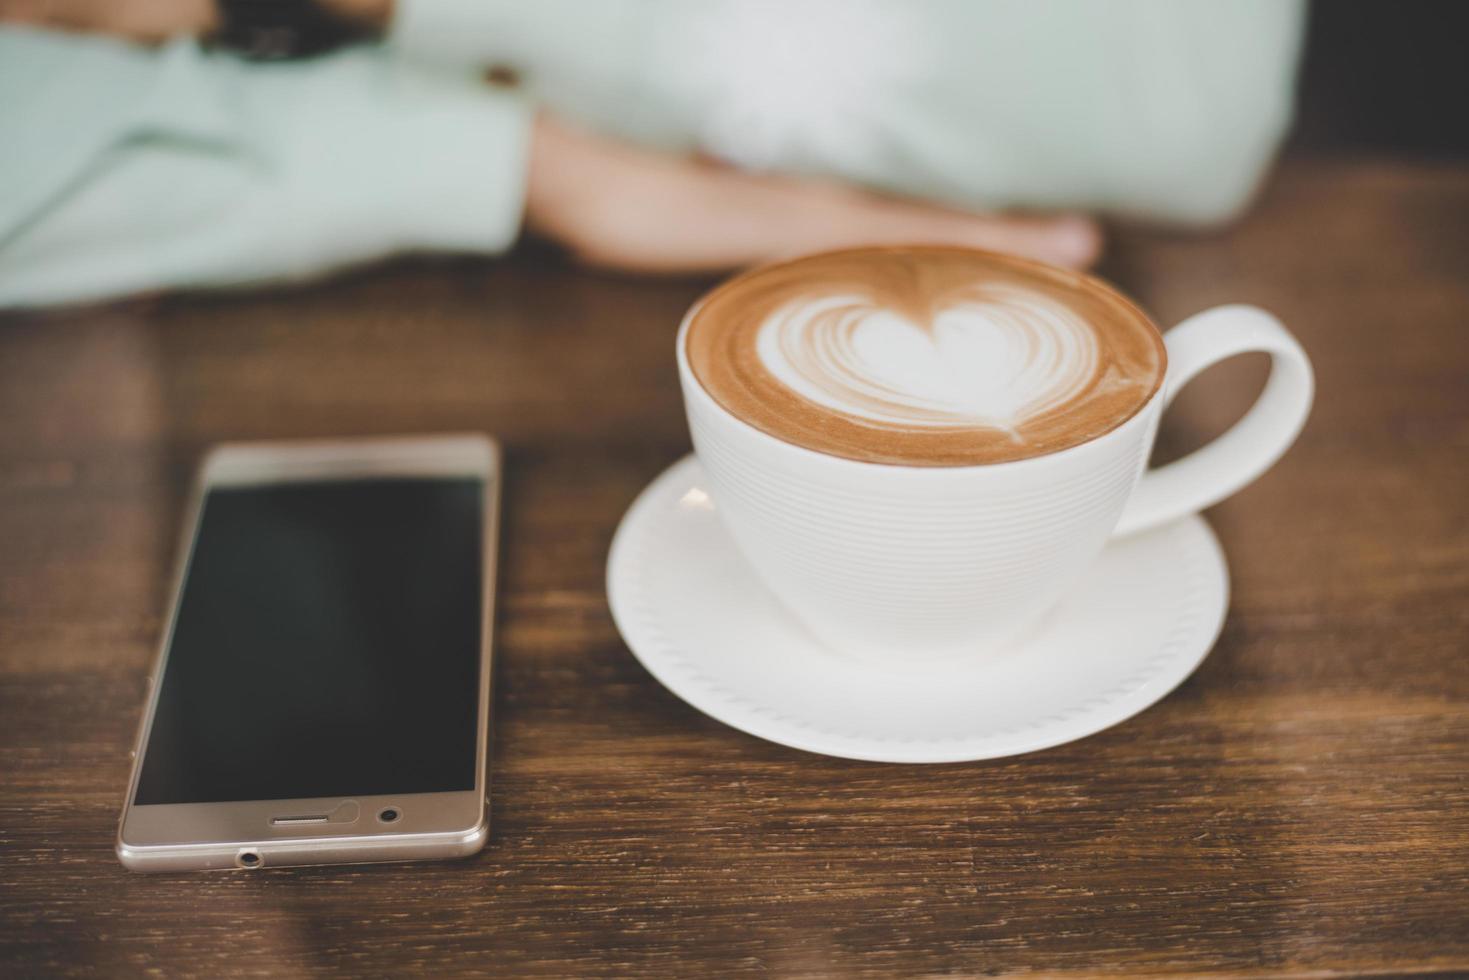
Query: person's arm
x,y
137,170
134,170
1168,109
621,206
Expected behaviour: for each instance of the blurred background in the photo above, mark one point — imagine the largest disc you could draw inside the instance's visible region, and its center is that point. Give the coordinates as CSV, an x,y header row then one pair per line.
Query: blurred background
x,y
159,145
1377,78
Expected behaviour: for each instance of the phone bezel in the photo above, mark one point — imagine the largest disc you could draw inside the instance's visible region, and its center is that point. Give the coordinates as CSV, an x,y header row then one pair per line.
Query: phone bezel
x,y
197,836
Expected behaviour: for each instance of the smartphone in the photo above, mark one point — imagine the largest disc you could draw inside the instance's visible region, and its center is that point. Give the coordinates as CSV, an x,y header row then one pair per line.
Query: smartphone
x,y
322,690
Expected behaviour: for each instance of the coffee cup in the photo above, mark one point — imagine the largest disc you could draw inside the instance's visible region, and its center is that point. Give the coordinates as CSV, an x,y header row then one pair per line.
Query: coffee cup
x,y
920,449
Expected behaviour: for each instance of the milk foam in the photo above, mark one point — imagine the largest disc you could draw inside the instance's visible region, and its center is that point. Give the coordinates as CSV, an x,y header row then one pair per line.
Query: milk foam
x,y
924,355
994,358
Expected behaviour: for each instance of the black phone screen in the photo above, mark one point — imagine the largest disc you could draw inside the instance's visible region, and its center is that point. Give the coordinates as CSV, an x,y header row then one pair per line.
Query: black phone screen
x,y
326,643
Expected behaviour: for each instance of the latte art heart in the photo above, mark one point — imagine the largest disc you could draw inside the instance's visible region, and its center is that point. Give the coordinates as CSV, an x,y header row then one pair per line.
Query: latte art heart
x,y
996,359
924,355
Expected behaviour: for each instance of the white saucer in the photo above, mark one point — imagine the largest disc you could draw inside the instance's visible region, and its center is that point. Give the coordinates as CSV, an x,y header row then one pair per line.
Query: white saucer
x,y
696,616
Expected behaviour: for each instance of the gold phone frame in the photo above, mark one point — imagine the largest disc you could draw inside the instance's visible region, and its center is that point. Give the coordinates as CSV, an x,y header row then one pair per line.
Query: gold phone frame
x,y
320,830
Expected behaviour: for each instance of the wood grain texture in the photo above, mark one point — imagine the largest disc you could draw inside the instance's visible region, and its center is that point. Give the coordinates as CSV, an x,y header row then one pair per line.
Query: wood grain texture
x,y
1299,806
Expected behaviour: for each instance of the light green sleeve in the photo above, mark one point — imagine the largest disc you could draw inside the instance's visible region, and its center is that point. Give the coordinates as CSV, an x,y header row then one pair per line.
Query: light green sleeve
x,y
128,170
1169,109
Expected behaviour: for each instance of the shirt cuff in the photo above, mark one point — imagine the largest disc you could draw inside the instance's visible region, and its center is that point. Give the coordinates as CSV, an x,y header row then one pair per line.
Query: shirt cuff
x,y
445,163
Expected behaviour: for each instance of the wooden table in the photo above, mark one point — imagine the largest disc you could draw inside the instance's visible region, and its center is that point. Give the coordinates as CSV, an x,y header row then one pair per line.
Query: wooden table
x,y
1299,806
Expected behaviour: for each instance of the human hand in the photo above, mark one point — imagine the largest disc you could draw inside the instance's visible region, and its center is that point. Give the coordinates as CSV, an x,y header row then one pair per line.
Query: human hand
x,y
144,21
623,207
155,21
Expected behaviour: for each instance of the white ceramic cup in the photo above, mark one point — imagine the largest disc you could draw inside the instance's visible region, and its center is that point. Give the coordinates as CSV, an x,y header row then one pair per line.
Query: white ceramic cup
x,y
900,564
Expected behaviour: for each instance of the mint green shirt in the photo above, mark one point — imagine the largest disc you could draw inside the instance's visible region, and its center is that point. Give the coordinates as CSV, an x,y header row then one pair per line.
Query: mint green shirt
x,y
125,169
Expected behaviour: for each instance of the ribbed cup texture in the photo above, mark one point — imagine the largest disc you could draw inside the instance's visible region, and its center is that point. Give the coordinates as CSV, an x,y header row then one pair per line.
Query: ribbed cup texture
x,y
911,563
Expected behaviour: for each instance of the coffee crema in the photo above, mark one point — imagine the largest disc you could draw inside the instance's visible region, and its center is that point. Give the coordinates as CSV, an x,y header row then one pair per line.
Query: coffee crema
x,y
924,355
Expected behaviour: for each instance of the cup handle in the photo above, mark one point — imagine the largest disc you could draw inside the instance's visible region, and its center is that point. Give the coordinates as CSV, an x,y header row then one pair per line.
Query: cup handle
x,y
1253,444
